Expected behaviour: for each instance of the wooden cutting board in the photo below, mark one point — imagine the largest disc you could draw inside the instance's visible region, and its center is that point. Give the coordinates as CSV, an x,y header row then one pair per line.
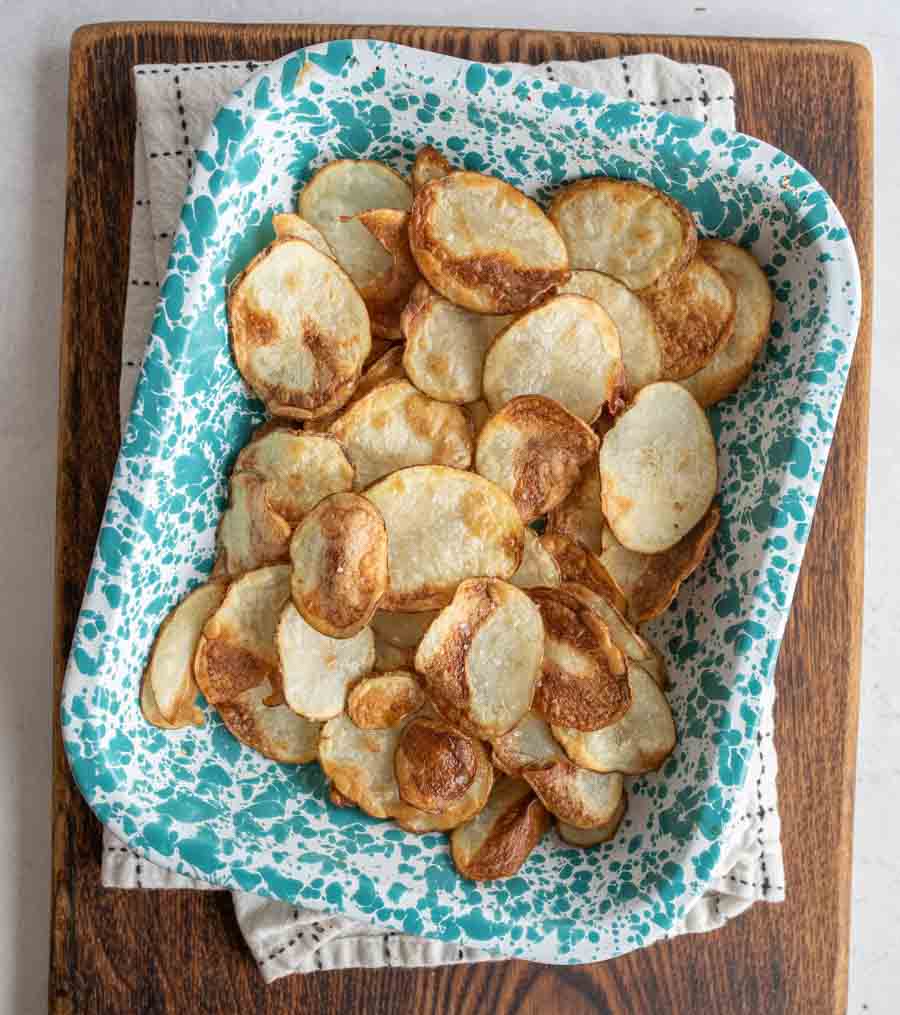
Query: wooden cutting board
x,y
179,952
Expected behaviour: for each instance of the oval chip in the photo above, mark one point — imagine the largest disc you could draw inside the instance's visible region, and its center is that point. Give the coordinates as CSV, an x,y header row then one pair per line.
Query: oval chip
x,y
290,226
443,526
528,745
382,700
251,533
273,730
587,837
339,560
188,715
625,229
413,819
574,795
435,764
396,426
429,165
299,330
481,657
731,364
566,349
580,516
658,469
576,563
538,566
485,245
534,450
386,295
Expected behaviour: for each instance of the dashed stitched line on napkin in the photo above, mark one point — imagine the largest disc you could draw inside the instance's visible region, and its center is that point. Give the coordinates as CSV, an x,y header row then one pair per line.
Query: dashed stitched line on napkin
x,y
627,77
143,281
185,139
704,94
165,155
766,883
185,68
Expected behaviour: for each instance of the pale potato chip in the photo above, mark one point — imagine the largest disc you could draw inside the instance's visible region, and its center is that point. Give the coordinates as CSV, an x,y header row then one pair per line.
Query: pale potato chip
x,y
317,671
443,526
587,837
237,648
574,795
497,841
388,367
390,657
299,330
639,742
386,295
576,563
446,345
481,658
538,566
429,165
694,318
584,677
170,667
485,245
382,700
435,764
529,744
658,469
187,715
251,533
534,450
288,225
638,335
404,630
580,516
273,730
396,426
566,349
754,304
339,564
340,191
625,229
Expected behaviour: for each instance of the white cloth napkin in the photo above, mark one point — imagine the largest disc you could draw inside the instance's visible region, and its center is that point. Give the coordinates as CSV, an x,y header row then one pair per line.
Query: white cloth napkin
x,y
175,105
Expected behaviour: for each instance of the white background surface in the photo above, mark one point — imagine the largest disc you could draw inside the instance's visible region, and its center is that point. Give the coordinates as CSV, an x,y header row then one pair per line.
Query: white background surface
x,y
34,41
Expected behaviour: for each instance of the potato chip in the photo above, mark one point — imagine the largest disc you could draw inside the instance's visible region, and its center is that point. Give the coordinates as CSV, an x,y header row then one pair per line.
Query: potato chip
x,y
658,469
388,367
584,677
538,566
574,795
435,764
413,819
445,345
382,700
317,671
625,229
587,837
484,245
731,364
639,742
481,658
404,630
299,330
566,349
290,226
274,731
386,295
534,450
396,426
429,165
580,515
389,657
187,715
443,526
251,533
576,563
340,191
497,841
339,564
694,318
237,648
638,336
529,744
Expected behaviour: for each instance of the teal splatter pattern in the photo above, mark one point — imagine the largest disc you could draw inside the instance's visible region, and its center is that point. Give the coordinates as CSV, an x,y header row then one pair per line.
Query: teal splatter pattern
x,y
201,803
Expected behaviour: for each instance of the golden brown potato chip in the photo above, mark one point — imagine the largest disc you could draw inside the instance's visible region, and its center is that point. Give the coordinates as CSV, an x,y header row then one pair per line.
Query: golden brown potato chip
x,y
694,317
339,562
574,795
484,245
396,426
625,229
639,742
580,516
658,469
273,730
529,744
731,364
434,764
534,450
287,225
386,295
299,330
587,837
584,677
498,840
481,657
404,630
566,349
187,715
388,367
251,533
576,563
429,165
382,700
443,526
446,345
538,566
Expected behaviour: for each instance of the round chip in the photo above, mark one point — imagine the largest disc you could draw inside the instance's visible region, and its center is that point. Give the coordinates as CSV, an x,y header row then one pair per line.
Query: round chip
x,y
528,745
574,795
339,560
580,515
404,630
317,670
584,677
485,245
386,295
434,765
638,335
587,837
429,165
445,345
625,229
388,367
534,450
658,469
287,225
396,426
566,349
754,304
694,317
273,730
538,566
381,701
251,533
336,195
481,657
443,526
639,742
299,330
576,563
498,840
237,648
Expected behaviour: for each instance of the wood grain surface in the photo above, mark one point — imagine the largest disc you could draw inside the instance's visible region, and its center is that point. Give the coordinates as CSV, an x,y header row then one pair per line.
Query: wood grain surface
x,y
179,952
